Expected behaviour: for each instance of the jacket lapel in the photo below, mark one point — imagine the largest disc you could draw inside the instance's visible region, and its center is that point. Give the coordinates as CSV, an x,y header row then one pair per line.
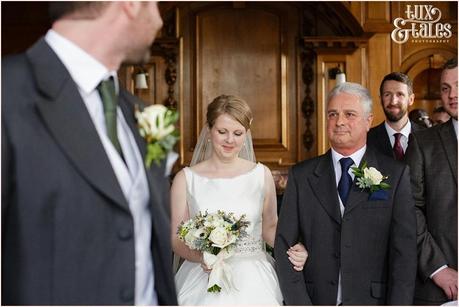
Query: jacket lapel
x,y
323,184
449,141
385,146
69,122
156,172
127,105
356,195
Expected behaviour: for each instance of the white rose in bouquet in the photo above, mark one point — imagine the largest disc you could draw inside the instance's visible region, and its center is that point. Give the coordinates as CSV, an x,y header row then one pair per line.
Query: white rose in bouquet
x,y
213,221
189,238
220,237
199,233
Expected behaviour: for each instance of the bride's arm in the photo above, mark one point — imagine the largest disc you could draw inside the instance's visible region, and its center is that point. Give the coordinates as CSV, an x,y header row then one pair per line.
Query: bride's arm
x,y
297,253
269,209
179,213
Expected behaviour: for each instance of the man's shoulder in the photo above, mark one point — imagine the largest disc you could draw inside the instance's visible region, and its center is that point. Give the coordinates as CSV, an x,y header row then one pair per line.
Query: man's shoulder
x,y
373,133
416,127
376,128
387,164
429,134
13,65
433,140
310,164
17,82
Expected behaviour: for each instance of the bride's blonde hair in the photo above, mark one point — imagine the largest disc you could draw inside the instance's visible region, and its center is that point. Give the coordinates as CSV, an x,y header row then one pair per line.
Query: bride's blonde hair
x,y
232,106
237,109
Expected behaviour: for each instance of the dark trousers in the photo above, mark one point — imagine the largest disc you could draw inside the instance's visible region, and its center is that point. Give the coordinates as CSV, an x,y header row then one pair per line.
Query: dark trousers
x,y
421,302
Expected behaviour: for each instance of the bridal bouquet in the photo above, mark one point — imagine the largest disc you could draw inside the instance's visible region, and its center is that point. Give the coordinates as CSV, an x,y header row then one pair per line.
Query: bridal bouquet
x,y
215,235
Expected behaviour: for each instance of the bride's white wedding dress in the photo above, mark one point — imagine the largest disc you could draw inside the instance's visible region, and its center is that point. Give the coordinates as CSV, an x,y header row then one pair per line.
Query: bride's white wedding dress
x,y
252,268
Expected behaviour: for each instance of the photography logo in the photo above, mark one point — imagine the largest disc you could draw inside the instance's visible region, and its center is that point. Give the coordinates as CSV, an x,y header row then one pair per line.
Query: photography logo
x,y
422,24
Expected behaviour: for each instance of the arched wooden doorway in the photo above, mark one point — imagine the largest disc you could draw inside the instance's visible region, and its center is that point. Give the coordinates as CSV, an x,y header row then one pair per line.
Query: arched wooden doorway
x,y
424,68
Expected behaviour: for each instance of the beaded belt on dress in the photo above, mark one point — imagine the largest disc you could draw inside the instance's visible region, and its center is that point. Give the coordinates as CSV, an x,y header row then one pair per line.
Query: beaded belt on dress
x,y
248,245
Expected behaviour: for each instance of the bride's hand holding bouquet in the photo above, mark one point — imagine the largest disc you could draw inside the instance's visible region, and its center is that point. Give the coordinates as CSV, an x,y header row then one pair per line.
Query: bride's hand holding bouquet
x,y
214,235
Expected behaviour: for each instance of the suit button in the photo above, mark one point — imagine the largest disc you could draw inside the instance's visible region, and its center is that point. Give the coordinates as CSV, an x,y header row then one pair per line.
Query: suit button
x,y
125,234
336,254
347,245
333,282
127,295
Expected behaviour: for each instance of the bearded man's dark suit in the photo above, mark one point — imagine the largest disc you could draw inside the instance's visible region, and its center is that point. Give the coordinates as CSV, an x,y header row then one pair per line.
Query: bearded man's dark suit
x,y
373,244
67,231
432,157
378,139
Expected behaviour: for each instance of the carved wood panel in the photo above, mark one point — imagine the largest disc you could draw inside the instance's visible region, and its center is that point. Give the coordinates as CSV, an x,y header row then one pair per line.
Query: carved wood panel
x,y
221,56
243,63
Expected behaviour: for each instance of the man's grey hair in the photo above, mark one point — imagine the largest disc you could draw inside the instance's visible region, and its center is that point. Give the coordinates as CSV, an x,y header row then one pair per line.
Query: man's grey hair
x,y
356,90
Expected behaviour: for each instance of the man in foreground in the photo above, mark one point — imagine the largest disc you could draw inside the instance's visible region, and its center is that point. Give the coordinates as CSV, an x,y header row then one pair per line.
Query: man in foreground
x,y
83,221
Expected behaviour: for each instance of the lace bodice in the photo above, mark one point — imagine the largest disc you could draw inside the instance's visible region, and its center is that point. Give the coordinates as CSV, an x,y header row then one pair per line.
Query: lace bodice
x,y
243,194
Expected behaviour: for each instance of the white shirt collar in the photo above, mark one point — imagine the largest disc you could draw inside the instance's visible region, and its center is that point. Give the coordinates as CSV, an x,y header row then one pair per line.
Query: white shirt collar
x,y
85,70
356,156
406,130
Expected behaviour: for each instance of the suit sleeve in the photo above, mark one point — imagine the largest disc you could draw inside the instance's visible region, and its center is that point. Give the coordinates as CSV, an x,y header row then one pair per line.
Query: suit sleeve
x,y
402,255
430,256
291,282
7,176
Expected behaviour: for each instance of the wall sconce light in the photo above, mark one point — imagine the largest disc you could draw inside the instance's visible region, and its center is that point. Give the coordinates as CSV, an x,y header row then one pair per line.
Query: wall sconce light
x,y
336,74
140,81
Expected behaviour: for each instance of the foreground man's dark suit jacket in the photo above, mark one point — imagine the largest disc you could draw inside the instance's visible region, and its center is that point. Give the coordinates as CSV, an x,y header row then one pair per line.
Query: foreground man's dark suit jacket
x,y
373,244
432,157
67,232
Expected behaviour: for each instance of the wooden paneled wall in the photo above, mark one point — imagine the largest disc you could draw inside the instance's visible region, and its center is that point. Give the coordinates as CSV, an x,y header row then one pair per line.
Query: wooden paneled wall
x,y
380,55
283,74
22,24
412,57
275,55
220,56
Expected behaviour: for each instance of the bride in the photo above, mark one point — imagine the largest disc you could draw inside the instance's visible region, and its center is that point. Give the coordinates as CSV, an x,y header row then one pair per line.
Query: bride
x,y
224,176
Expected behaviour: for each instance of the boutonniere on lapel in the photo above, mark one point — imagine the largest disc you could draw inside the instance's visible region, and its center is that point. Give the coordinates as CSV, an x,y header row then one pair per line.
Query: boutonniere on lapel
x,y
372,179
157,126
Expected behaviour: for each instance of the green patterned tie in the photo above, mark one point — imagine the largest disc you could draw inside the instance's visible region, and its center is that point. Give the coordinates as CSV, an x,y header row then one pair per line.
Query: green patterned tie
x,y
107,93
